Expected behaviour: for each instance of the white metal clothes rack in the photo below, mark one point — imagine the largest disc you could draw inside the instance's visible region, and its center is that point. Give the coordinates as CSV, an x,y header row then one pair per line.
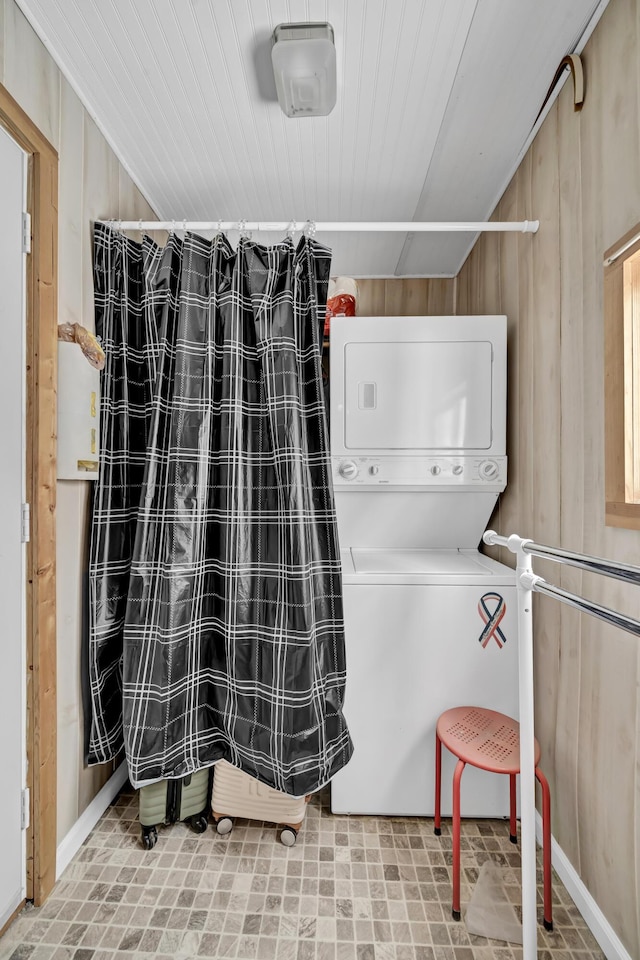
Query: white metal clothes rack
x,y
527,583
291,226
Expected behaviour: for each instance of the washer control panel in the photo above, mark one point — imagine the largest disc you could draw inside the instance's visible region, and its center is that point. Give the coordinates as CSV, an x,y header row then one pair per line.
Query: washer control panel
x,y
451,471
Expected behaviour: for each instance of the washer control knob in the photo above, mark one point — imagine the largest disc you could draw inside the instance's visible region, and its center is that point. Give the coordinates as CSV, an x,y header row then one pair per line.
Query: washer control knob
x,y
457,470
348,470
374,470
435,470
489,470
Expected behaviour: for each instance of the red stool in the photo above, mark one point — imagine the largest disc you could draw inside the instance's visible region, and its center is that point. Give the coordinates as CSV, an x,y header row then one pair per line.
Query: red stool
x,y
490,741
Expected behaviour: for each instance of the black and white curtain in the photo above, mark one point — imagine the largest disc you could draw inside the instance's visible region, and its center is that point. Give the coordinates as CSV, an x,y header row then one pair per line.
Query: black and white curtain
x,y
215,606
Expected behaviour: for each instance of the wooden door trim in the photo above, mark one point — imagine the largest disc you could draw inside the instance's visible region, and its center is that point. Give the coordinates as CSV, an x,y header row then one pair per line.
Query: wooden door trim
x,y
619,435
41,358
7,924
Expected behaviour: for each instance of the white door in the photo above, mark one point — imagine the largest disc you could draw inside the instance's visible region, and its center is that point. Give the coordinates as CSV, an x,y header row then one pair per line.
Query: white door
x,y
12,550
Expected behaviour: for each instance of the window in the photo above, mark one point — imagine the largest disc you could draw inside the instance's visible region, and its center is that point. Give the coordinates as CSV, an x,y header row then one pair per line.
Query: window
x,y
622,381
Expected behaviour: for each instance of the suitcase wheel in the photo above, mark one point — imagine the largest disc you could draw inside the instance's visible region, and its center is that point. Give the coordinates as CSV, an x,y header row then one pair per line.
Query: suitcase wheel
x,y
288,836
149,837
199,823
224,825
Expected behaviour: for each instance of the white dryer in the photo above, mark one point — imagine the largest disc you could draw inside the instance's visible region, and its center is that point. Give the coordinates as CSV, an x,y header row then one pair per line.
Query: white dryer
x,y
418,451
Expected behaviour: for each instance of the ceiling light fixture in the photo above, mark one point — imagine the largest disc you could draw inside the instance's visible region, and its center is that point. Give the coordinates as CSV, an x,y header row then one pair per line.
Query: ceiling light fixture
x,y
304,67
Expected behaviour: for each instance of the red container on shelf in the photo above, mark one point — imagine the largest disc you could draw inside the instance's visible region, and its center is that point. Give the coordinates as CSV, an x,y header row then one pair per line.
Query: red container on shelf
x,y
344,305
341,300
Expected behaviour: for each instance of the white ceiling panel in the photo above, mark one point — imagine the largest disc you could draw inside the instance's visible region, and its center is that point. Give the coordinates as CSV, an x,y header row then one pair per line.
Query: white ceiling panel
x,y
435,101
485,126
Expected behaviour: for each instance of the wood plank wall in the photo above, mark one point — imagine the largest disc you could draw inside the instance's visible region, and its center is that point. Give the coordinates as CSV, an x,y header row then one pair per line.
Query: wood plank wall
x,y
581,179
405,298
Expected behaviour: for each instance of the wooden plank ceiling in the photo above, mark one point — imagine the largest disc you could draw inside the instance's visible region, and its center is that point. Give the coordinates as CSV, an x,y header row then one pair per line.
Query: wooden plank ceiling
x,y
435,102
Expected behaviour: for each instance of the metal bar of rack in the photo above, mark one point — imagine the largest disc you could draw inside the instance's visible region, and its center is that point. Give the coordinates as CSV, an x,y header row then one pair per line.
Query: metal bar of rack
x,y
527,584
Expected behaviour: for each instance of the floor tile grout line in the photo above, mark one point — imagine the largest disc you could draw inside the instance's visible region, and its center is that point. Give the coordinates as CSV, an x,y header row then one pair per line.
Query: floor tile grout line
x,y
305,878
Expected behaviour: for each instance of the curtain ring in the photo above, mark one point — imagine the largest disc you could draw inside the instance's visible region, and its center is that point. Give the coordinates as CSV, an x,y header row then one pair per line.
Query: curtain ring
x,y
291,228
242,227
140,225
184,226
219,226
310,229
119,227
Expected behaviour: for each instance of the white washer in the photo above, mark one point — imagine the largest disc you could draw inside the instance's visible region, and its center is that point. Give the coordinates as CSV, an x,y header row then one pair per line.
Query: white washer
x,y
415,647
418,449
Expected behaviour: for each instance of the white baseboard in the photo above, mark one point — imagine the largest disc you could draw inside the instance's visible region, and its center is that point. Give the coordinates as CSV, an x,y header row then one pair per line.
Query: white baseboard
x,y
81,829
609,941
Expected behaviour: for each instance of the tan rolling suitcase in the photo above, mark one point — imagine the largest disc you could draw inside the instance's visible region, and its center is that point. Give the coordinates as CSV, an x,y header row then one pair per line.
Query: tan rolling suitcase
x,y
236,794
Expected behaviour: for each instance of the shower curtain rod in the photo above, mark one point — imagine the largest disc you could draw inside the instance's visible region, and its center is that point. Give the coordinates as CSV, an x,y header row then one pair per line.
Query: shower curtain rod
x,y
410,226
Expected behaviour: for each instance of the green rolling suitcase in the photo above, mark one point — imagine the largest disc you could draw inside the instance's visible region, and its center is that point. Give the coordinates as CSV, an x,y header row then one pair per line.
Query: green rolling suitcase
x,y
171,800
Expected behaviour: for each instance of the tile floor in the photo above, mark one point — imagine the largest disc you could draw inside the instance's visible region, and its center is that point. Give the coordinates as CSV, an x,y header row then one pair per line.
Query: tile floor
x,y
353,888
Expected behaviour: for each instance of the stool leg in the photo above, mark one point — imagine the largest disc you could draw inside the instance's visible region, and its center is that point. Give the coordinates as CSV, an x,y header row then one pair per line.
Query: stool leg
x,y
546,847
436,818
513,829
457,776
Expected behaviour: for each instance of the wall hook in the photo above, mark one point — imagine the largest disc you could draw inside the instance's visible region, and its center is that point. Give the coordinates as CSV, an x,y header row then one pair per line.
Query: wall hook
x,y
573,61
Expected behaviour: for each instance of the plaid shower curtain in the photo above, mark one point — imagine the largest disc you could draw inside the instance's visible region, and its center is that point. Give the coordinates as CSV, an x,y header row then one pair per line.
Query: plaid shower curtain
x,y
215,605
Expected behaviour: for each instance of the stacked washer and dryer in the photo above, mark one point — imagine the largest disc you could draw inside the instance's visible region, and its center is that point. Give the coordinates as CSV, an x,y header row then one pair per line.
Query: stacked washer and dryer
x,y
418,425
